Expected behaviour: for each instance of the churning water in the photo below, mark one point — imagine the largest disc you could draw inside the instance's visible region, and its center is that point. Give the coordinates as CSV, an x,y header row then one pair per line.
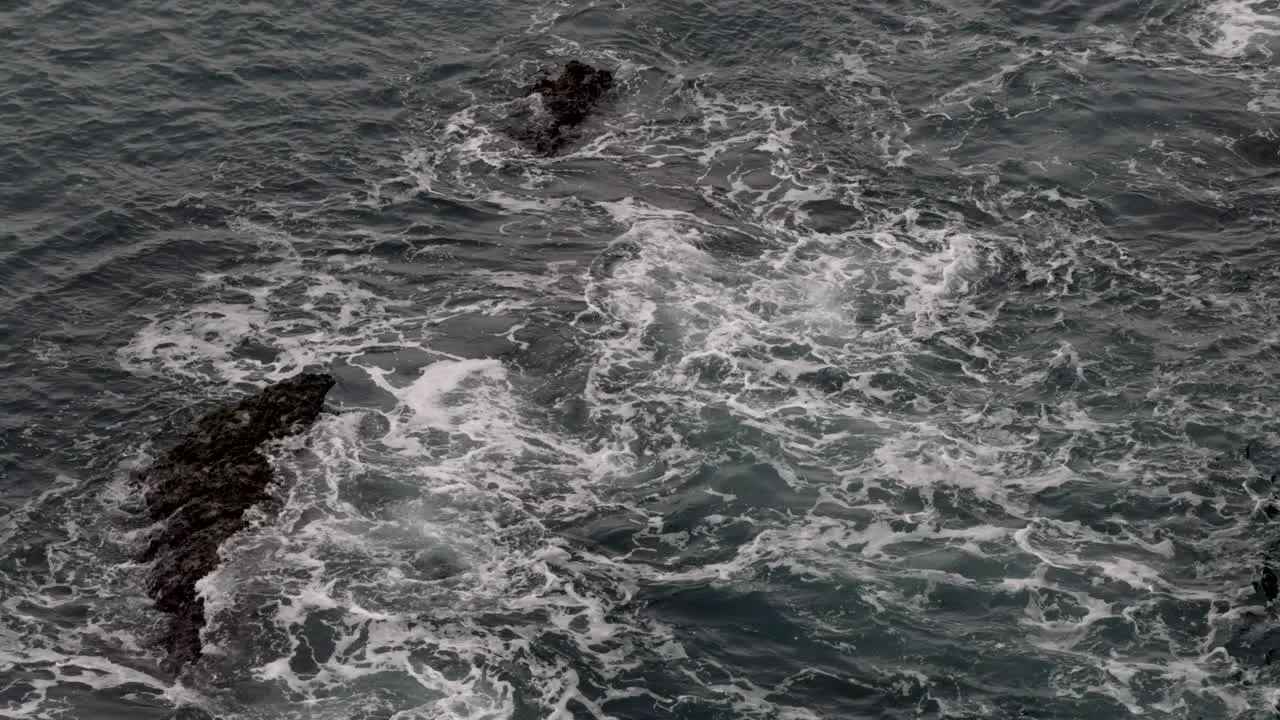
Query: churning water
x,y
904,360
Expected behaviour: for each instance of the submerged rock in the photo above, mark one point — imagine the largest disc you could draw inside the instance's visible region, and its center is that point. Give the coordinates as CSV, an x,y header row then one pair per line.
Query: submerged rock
x,y
198,492
568,99
1268,583
1260,149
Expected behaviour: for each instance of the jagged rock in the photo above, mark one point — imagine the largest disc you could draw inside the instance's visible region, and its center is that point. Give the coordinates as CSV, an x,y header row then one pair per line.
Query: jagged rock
x,y
567,98
198,492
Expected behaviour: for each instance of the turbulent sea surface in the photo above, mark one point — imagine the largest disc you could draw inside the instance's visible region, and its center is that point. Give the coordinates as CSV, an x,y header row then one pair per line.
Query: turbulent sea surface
x,y
906,359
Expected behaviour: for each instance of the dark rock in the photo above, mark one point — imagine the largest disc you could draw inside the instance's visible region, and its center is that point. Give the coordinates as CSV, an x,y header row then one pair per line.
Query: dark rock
x,y
1260,149
827,379
198,493
1268,584
567,98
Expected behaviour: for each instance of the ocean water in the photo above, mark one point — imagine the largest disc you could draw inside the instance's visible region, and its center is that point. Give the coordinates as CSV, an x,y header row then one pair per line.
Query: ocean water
x,y
895,360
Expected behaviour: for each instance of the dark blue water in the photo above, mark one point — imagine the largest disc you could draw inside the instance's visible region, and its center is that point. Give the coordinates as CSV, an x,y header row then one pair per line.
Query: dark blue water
x,y
906,360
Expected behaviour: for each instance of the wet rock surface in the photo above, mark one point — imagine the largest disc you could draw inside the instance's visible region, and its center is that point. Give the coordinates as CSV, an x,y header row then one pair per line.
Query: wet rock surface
x,y
568,98
198,492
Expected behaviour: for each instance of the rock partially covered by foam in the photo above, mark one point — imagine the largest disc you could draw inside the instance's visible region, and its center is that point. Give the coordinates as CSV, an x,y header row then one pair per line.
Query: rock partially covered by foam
x,y
568,99
198,493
